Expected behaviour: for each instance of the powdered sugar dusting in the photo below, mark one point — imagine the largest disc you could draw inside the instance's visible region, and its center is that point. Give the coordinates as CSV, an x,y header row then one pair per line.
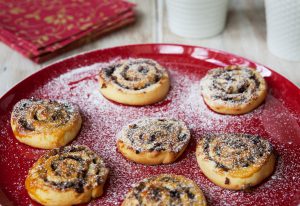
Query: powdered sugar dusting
x,y
155,134
103,119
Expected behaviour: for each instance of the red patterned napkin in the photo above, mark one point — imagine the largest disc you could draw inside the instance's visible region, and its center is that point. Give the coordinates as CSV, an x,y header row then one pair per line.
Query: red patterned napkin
x,y
41,29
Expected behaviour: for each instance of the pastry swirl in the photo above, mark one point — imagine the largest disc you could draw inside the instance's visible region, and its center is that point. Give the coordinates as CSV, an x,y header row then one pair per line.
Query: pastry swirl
x,y
153,140
165,190
134,82
66,176
45,123
235,161
233,89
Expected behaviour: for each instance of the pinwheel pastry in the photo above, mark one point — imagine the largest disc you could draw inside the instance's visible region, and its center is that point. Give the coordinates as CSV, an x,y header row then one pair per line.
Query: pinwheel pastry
x,y
134,82
153,141
45,124
165,190
233,89
235,161
67,176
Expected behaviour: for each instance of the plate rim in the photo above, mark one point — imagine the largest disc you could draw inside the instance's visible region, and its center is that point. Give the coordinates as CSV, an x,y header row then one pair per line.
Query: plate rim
x,y
87,53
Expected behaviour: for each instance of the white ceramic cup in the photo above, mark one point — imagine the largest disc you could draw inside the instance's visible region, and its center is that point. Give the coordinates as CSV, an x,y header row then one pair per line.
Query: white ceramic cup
x,y
283,28
197,18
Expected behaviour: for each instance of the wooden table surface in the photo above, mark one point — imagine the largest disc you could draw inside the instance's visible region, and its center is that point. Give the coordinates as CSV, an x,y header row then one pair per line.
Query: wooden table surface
x,y
244,35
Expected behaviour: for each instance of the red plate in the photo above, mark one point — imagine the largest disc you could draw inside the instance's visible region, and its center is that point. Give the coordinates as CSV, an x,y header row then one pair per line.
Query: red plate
x,y
75,79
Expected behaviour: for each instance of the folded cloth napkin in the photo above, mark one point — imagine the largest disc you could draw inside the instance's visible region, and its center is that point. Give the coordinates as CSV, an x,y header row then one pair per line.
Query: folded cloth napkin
x,y
41,29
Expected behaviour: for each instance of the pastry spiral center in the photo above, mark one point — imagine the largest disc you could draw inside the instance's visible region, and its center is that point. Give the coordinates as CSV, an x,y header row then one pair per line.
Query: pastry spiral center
x,y
67,168
50,113
38,115
166,191
236,152
233,153
156,135
72,167
234,84
136,74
